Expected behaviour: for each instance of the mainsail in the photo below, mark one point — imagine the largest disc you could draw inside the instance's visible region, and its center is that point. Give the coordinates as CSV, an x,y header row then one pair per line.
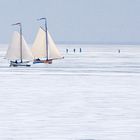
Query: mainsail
x,y
39,45
39,48
13,52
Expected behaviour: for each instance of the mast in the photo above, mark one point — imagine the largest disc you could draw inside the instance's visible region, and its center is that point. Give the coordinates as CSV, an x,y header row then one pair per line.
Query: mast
x,y
46,30
20,25
21,42
47,47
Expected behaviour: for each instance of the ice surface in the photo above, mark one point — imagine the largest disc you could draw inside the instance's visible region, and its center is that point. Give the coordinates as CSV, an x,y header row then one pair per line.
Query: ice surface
x,y
90,95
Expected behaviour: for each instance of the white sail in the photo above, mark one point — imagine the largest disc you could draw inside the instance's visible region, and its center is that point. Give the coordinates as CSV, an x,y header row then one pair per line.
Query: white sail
x,y
39,45
13,52
54,53
39,49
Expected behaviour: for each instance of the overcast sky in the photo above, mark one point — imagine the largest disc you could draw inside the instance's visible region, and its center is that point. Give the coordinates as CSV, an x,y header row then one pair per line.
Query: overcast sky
x,y
94,21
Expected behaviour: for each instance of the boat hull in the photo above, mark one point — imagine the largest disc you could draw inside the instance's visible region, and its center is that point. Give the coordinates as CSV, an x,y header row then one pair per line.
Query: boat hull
x,y
19,64
43,61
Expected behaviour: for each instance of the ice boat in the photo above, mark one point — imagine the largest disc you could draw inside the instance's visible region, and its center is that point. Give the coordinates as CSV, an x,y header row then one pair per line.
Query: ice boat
x,y
44,48
18,53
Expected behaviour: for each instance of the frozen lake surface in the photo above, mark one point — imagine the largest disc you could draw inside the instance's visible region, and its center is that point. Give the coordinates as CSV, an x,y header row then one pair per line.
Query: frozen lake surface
x,y
90,95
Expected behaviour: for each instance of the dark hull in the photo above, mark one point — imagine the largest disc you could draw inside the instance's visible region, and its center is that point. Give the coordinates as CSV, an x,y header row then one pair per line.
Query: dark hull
x,y
19,64
42,61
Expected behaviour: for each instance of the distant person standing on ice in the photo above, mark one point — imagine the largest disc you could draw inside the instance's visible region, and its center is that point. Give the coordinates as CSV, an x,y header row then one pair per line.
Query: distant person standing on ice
x,y
80,50
74,50
67,50
119,51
